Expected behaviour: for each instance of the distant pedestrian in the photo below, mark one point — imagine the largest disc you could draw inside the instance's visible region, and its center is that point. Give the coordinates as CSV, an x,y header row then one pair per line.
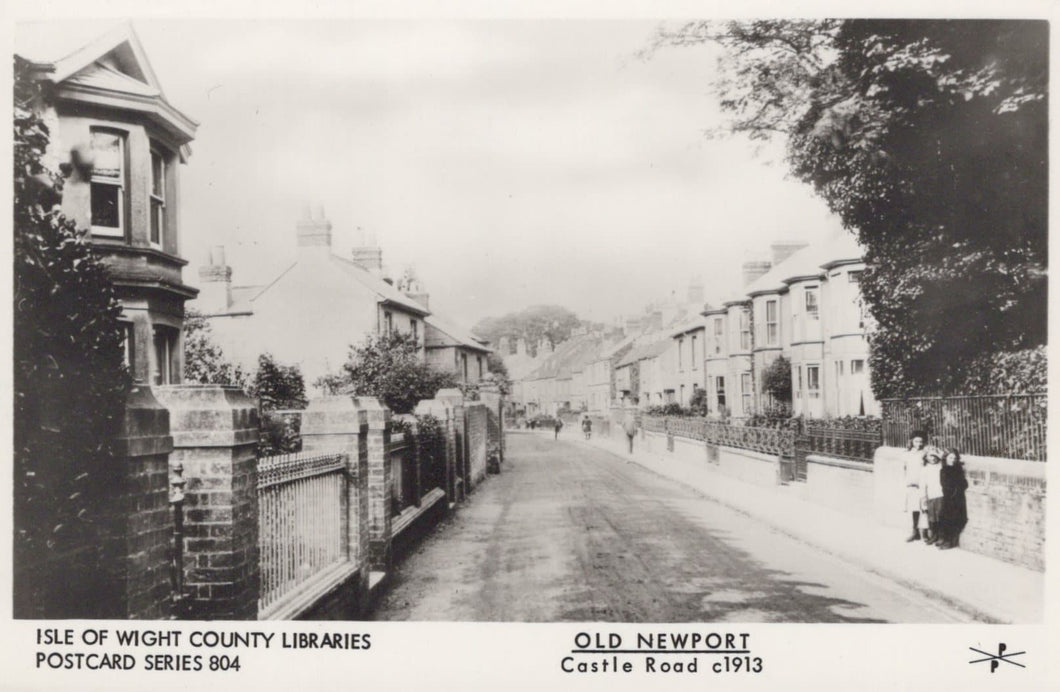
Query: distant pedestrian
x,y
630,426
954,513
911,472
533,424
558,427
931,495
587,427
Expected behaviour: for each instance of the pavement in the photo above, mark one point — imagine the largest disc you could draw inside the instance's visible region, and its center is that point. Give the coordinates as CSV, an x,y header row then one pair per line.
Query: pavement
x,y
568,532
987,589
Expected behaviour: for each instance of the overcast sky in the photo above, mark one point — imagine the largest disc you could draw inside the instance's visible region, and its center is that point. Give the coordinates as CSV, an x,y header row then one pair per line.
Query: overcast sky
x,y
511,162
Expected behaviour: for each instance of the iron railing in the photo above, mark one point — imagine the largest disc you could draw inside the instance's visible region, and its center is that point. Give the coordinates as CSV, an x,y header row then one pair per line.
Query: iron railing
x,y
1010,426
766,440
302,522
842,443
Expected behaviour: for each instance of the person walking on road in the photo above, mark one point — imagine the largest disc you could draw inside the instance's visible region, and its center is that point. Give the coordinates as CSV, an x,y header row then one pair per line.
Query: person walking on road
x,y
630,426
587,427
559,426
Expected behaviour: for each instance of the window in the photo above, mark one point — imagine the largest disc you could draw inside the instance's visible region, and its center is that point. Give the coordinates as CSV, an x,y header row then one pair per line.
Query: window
x,y
718,329
108,184
745,391
772,331
693,349
388,323
745,331
811,303
857,367
719,391
164,367
813,381
158,197
855,276
463,361
415,332
798,383
129,347
682,395
479,359
681,354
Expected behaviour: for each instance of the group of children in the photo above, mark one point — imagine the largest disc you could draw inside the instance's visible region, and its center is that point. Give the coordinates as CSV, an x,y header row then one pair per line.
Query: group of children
x,y
935,485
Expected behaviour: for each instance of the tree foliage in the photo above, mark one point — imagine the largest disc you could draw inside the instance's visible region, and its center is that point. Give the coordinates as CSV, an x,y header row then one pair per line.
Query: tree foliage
x,y
389,368
776,380
204,361
497,368
929,140
541,323
278,387
70,381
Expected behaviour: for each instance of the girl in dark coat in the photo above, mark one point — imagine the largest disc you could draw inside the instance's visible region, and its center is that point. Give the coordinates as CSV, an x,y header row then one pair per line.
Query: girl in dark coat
x,y
954,513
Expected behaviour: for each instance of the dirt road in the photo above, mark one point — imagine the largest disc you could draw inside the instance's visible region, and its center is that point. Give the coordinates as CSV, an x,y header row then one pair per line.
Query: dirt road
x,y
569,532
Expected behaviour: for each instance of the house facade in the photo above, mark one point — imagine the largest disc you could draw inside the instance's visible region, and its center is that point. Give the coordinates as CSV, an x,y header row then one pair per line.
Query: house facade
x,y
120,143
451,349
314,310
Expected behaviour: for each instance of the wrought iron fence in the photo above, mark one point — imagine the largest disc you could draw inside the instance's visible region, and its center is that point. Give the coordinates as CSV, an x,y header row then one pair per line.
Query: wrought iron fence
x,y
302,521
842,443
653,423
1006,425
692,428
767,440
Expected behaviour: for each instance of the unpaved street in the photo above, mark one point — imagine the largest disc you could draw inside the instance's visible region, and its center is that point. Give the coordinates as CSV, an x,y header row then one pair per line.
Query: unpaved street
x,y
569,532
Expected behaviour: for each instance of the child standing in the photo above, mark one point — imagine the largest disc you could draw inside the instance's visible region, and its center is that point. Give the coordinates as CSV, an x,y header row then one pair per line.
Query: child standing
x,y
931,494
911,472
954,513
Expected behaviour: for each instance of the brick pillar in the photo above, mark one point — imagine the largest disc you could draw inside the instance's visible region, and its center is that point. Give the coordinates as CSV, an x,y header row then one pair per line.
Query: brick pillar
x,y
380,523
336,423
215,436
139,517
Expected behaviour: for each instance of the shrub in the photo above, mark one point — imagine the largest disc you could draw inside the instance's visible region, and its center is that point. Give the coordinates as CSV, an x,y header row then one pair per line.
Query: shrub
x,y
70,386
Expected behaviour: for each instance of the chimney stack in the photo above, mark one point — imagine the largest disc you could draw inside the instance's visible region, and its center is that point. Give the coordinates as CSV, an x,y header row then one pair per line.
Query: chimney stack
x,y
695,291
215,295
753,269
314,232
367,254
784,249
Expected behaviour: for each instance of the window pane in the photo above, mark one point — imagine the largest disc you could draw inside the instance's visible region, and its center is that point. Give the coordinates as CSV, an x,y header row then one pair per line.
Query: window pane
x,y
109,159
158,175
106,205
157,221
811,303
857,366
812,377
161,363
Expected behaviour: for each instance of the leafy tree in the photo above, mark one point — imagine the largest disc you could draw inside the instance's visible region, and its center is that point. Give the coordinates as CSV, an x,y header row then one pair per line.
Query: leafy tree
x,y
204,361
495,364
70,385
550,323
389,368
929,140
278,387
776,380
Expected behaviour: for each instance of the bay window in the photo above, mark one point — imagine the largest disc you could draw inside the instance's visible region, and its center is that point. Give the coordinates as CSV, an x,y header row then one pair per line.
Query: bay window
x,y
158,197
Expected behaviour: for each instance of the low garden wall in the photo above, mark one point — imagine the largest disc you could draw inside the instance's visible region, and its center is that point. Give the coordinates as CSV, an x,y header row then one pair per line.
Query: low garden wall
x,y
1006,505
840,484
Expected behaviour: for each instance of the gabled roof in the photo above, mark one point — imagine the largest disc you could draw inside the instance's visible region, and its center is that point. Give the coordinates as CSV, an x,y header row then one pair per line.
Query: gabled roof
x,y
101,63
461,336
689,326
